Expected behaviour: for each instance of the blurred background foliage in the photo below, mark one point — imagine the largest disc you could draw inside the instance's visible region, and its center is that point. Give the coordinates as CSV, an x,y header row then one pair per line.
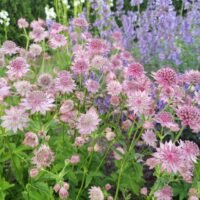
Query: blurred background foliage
x,y
33,9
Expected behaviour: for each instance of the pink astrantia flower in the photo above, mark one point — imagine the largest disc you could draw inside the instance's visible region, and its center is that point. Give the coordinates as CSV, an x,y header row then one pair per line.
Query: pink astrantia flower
x,y
15,119
57,28
135,70
23,87
190,115
4,89
192,77
139,102
165,77
22,23
35,50
114,88
87,123
43,157
164,194
92,85
57,41
64,83
31,139
9,47
149,138
170,157
80,66
95,193
97,46
18,68
38,101
190,150
80,22
38,34
45,80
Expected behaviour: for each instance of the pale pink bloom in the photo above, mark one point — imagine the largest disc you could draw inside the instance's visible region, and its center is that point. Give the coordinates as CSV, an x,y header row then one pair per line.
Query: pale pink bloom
x,y
190,150
144,191
22,23
117,35
152,162
164,118
38,23
126,124
57,41
64,83
63,193
15,119
164,194
109,135
149,138
23,87
80,22
57,28
45,80
97,46
80,66
192,77
114,100
31,139
67,106
9,47
87,123
114,88
165,77
116,63
18,68
135,70
74,159
33,172
4,89
170,157
98,62
43,157
38,101
35,50
95,193
118,153
139,102
192,192
107,187
80,141
38,34
92,85
193,198
148,125
190,116
186,171
110,77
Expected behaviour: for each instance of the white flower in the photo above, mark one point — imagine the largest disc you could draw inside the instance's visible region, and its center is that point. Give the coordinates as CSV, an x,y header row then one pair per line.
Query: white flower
x,y
50,13
4,18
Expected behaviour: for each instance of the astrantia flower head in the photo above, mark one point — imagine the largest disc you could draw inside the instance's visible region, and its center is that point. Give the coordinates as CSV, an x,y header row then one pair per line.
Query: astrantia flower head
x,y
45,80
92,85
38,101
164,194
35,50
192,77
15,119
95,193
165,77
97,46
80,66
87,123
43,157
139,102
31,139
64,83
22,23
164,118
57,41
114,88
170,157
190,150
190,115
149,138
38,34
9,47
17,68
135,70
23,87
4,89
80,22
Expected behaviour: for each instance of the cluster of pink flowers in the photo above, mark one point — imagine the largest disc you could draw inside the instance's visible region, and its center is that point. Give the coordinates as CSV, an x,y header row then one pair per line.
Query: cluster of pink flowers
x,y
95,96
